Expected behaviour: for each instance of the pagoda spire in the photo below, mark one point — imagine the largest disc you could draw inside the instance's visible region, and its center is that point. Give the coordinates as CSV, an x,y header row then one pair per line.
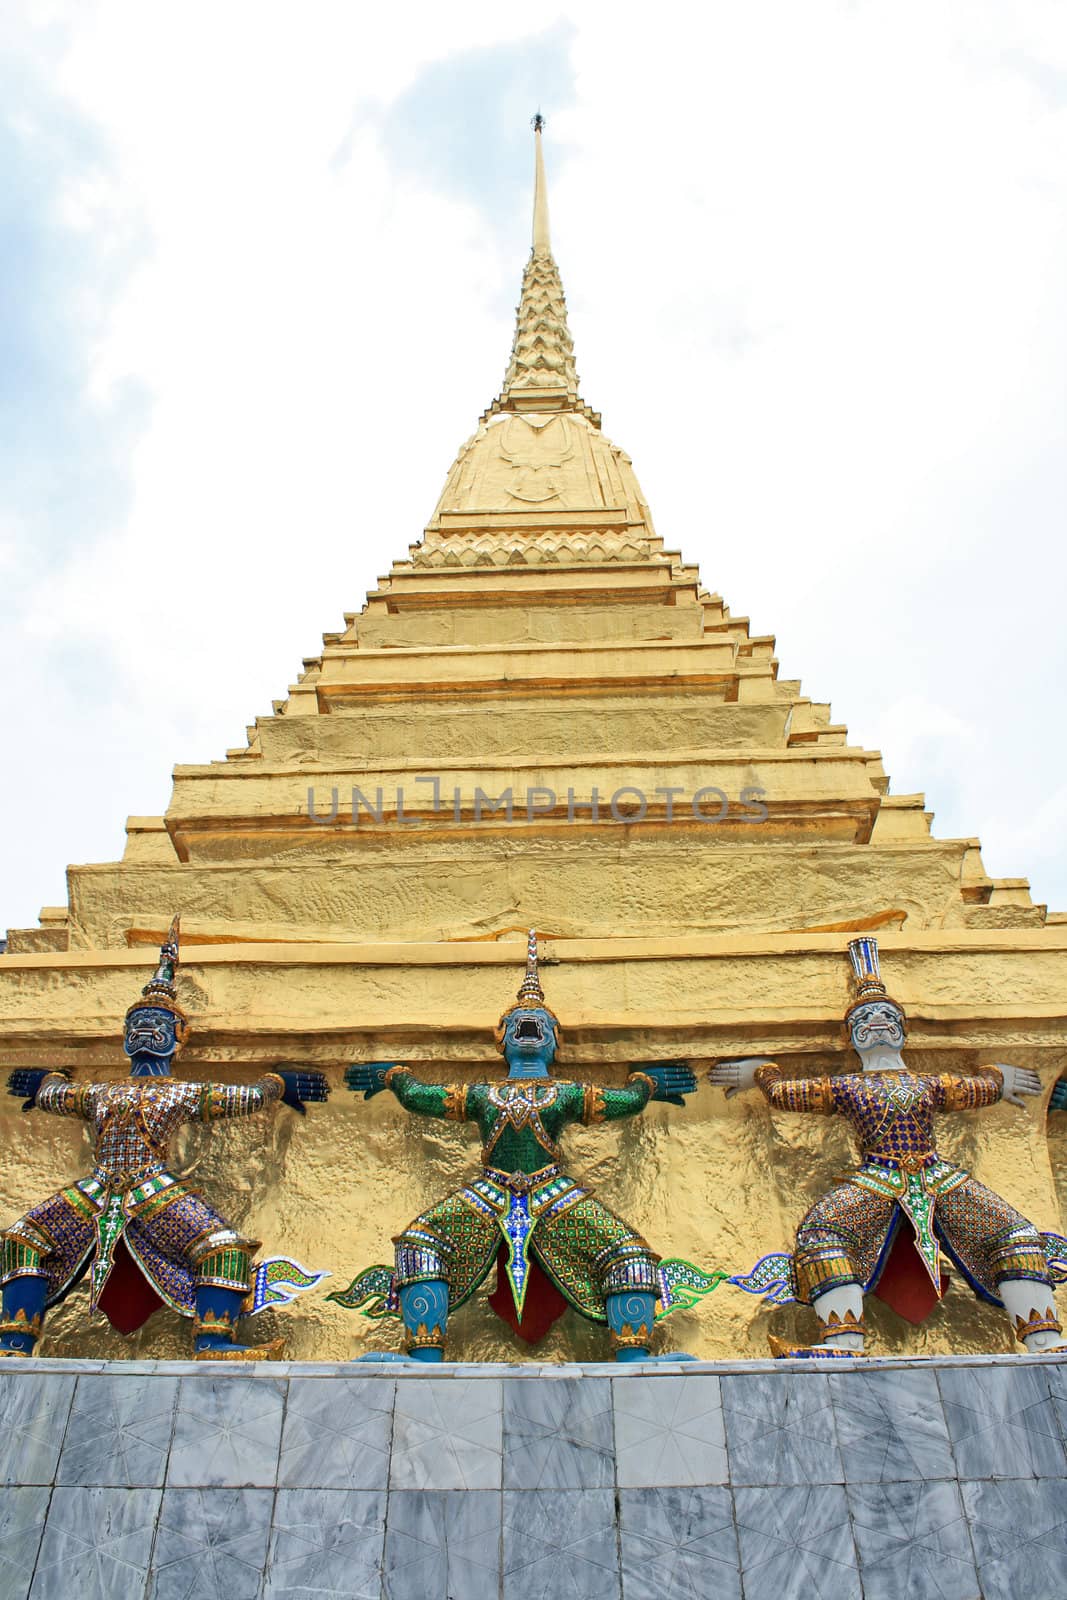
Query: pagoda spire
x,y
542,243
541,374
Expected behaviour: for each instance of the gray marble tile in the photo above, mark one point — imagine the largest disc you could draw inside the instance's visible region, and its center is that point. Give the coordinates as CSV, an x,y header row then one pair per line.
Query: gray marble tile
x,y
336,1434
1056,1373
559,1434
96,1544
34,1410
1002,1422
211,1543
1019,1532
226,1433
447,1435
669,1431
442,1542
119,1431
560,1543
22,1515
780,1429
326,1544
890,1426
680,1544
913,1540
796,1543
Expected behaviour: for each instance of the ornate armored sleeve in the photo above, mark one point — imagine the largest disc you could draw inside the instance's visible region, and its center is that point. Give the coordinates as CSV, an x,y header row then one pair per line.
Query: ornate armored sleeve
x,y
448,1100
214,1101
957,1091
608,1105
796,1094
65,1099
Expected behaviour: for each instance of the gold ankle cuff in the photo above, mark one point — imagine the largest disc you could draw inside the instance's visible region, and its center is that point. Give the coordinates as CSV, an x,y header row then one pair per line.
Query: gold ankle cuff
x,y
633,1336
20,1323
425,1338
834,1326
1038,1322
210,1323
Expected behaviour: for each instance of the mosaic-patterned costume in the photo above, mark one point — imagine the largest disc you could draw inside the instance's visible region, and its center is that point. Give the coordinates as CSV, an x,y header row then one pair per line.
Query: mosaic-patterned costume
x,y
522,1199
130,1211
848,1235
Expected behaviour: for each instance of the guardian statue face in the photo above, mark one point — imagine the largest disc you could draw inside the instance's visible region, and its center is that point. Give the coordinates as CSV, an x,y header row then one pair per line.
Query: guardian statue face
x,y
878,1025
151,1041
531,1039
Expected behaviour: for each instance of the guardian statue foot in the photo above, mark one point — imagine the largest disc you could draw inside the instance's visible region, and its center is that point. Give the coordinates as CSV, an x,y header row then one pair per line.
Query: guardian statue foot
x,y
624,1357
217,1312
384,1355
274,1351
22,1315
781,1351
1040,1333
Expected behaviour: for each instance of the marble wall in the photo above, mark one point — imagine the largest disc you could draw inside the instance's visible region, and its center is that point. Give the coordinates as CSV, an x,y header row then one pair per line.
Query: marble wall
x,y
883,1479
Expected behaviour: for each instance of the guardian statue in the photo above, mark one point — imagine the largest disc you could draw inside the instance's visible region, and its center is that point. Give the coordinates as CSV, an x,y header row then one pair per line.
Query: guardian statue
x,y
889,1224
144,1237
554,1243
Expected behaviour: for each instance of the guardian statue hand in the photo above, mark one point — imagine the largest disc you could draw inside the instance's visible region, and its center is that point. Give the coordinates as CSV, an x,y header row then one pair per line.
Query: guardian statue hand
x,y
737,1076
1018,1081
303,1086
368,1076
24,1082
673,1079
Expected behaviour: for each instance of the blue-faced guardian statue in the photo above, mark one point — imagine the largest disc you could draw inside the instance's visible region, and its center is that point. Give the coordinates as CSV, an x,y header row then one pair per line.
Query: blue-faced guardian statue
x,y
145,1238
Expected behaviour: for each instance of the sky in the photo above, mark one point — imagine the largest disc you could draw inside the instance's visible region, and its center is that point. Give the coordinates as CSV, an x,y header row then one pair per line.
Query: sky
x,y
258,270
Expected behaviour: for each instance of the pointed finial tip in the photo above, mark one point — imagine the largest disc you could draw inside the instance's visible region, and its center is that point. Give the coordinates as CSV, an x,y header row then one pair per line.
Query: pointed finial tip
x,y
541,241
530,990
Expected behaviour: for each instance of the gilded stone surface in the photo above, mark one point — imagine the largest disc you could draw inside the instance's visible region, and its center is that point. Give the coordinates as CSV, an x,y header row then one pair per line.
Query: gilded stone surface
x,y
540,637
719,1182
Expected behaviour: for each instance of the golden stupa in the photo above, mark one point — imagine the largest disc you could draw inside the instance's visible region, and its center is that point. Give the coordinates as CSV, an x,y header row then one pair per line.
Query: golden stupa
x,y
539,718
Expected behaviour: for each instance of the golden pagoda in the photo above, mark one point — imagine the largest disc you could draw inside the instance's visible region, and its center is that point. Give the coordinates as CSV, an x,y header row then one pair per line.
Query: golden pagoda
x,y
541,718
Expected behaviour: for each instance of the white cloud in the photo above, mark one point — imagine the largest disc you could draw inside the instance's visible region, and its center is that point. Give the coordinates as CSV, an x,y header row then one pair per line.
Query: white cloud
x,y
814,257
